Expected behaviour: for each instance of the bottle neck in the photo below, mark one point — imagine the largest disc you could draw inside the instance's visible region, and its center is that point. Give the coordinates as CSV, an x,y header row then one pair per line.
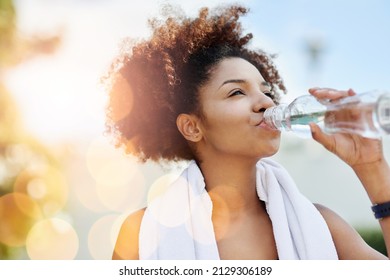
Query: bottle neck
x,y
274,117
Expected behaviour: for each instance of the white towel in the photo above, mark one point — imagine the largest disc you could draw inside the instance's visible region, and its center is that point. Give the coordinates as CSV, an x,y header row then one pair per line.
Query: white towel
x,y
177,225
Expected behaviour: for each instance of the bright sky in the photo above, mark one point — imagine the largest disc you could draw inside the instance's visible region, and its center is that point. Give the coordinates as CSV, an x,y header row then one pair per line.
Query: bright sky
x,y
59,95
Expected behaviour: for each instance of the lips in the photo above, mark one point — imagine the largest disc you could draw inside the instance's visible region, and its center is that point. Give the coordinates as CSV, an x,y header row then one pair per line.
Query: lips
x,y
264,125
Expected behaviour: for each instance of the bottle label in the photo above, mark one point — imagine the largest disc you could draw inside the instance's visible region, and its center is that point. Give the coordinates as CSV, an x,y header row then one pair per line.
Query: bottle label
x,y
384,113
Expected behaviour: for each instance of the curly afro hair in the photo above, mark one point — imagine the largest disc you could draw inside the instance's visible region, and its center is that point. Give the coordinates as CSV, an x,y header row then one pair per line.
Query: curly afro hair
x,y
152,81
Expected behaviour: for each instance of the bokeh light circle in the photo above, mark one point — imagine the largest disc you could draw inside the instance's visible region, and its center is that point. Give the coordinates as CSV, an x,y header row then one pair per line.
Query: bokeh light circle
x,y
18,213
102,237
47,186
52,239
119,182
160,185
168,215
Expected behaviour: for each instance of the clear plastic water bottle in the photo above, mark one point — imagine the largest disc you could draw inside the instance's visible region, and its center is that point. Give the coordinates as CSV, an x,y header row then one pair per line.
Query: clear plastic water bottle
x,y
366,114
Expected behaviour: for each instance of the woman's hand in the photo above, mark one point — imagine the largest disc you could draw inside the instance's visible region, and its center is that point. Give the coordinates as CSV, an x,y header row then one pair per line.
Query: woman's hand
x,y
351,148
364,155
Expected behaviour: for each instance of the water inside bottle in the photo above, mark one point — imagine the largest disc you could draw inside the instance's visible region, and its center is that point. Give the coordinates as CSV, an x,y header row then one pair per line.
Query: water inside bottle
x,y
300,123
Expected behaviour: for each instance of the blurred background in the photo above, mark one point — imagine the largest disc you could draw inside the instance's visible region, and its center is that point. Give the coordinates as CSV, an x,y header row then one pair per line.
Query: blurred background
x,y
65,189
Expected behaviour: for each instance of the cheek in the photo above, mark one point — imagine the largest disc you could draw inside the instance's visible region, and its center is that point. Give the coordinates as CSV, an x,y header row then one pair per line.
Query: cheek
x,y
224,117
225,128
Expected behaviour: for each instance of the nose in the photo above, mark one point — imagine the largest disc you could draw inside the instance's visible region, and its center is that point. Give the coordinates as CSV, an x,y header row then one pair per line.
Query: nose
x,y
262,102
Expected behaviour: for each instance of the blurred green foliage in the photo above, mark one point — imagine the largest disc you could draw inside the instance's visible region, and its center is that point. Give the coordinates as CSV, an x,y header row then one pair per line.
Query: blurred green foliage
x,y
7,30
17,47
374,238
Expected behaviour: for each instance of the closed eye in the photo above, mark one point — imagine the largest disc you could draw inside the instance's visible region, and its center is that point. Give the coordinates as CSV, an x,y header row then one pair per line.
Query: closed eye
x,y
236,92
269,94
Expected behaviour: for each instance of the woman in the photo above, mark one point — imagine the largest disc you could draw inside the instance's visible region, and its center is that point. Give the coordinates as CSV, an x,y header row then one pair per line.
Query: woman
x,y
195,91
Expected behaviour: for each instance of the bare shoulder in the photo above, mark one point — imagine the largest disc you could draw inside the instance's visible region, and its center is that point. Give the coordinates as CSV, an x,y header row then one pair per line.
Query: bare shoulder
x,y
126,247
348,242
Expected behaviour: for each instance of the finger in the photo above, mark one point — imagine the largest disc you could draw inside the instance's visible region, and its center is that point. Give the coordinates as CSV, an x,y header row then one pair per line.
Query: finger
x,y
330,94
321,137
326,95
351,92
322,91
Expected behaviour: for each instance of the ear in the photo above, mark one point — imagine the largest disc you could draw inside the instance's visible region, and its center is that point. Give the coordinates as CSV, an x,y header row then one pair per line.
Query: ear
x,y
189,127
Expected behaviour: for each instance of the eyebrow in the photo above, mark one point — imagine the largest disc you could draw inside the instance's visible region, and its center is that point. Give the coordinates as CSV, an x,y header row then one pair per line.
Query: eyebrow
x,y
240,81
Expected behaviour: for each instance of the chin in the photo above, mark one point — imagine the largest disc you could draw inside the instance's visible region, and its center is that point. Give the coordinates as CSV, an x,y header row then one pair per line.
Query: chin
x,y
269,151
264,154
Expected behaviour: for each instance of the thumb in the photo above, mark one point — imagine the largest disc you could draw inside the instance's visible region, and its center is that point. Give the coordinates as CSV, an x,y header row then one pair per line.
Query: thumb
x,y
324,139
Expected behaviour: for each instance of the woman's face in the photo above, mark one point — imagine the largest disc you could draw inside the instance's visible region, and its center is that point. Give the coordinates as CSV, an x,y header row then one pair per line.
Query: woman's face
x,y
233,103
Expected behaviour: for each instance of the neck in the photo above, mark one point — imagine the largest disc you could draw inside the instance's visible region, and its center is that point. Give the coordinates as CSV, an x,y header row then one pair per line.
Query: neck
x,y
231,184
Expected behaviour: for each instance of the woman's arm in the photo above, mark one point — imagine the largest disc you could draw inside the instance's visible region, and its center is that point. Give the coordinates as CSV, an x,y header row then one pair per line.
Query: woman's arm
x,y
126,247
364,155
376,180
349,244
